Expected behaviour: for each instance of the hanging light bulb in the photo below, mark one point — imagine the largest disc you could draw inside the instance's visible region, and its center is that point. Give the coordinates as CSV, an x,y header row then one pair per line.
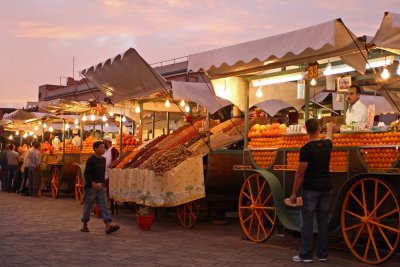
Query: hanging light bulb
x,y
328,69
259,92
76,122
25,135
10,137
124,118
84,118
77,127
36,128
40,123
35,136
104,118
106,124
182,103
137,109
16,132
398,70
111,113
167,103
31,133
44,125
385,73
187,109
313,82
92,117
51,129
66,126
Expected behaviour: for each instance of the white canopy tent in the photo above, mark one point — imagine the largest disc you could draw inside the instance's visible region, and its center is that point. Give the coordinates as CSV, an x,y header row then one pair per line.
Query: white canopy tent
x,y
388,35
310,44
126,76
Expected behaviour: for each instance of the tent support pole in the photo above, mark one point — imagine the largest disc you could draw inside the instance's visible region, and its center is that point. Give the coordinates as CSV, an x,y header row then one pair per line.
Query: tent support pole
x,y
167,123
20,139
307,101
82,131
246,114
63,138
102,130
120,134
153,125
141,120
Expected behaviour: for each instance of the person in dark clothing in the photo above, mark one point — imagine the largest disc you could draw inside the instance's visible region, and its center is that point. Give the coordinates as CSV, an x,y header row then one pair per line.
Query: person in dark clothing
x,y
95,189
3,165
13,167
313,173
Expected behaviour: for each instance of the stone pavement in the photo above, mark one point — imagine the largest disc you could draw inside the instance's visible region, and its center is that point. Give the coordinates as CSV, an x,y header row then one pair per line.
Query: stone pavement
x,y
45,232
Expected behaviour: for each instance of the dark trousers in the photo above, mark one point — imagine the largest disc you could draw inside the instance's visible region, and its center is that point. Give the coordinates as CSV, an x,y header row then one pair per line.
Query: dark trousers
x,y
3,177
314,203
12,178
33,181
23,188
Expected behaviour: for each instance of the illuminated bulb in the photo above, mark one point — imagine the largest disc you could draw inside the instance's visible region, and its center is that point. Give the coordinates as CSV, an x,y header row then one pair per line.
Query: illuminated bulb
x,y
40,122
84,118
106,124
328,69
398,70
313,82
92,117
36,128
35,136
259,92
182,103
137,109
25,135
111,114
167,103
45,126
187,109
76,122
104,118
31,133
67,126
124,118
76,126
11,137
51,129
385,74
17,133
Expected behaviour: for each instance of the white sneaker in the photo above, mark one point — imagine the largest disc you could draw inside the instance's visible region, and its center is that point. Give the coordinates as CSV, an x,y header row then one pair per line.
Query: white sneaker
x,y
298,259
322,259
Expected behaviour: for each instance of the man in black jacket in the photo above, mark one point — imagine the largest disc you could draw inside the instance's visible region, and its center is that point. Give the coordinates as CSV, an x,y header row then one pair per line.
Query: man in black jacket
x,y
95,189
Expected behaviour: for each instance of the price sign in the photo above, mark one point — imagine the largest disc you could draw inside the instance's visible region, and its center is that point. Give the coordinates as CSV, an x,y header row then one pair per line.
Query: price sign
x,y
313,70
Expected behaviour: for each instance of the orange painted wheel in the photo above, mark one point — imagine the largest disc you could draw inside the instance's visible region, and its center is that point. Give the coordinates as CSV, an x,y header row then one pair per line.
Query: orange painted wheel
x,y
79,187
370,220
54,182
257,213
188,213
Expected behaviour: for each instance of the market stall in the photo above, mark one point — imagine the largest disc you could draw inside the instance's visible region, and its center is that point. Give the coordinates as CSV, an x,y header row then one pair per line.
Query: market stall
x,y
365,158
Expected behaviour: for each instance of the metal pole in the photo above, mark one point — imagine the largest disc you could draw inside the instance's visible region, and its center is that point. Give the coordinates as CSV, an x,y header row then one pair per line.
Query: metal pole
x,y
153,125
167,123
82,131
63,138
102,132
120,134
141,120
208,130
307,101
246,114
20,139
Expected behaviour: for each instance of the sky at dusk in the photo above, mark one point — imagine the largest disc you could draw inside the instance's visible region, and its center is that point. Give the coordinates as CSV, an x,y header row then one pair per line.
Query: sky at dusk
x,y
39,38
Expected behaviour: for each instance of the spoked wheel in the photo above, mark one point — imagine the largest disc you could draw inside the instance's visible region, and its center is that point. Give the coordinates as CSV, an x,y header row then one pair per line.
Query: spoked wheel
x,y
54,182
188,213
79,187
370,220
257,212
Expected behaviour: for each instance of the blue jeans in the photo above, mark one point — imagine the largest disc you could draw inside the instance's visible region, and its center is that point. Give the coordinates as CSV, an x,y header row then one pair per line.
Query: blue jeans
x,y
314,203
12,178
92,195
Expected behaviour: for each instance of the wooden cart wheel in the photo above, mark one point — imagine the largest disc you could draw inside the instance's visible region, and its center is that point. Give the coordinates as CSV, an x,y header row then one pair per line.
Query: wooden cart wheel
x,y
257,212
188,213
370,220
54,182
79,186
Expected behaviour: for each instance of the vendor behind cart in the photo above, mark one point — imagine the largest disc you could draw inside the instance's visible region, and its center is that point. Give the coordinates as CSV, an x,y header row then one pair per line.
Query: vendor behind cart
x,y
357,111
76,141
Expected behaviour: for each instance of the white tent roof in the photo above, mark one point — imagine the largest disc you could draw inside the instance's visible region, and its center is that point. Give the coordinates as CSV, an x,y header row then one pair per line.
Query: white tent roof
x,y
20,115
321,41
201,93
126,76
388,35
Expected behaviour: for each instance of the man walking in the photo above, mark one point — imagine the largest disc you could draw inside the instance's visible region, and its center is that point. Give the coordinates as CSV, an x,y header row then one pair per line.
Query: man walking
x,y
95,189
313,174
34,170
12,166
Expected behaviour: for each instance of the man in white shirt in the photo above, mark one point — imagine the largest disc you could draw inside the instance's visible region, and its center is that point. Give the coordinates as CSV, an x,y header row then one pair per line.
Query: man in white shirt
x,y
55,142
76,141
357,111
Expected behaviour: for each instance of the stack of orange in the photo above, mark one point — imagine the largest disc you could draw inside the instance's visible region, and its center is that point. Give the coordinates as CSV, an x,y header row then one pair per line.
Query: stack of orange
x,y
87,145
268,130
269,142
264,159
380,157
366,139
69,148
294,141
129,142
292,160
338,161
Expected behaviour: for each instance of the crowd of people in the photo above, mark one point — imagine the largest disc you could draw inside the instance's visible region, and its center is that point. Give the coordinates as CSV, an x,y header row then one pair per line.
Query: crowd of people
x,y
20,173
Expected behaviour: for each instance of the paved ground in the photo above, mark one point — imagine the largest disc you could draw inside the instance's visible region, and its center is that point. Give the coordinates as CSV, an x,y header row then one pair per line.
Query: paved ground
x,y
45,232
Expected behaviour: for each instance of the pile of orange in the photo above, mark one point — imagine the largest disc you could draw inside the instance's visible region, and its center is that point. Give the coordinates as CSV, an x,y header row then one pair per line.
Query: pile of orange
x,y
366,139
268,142
69,148
268,130
87,144
292,160
338,160
263,159
380,157
294,141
